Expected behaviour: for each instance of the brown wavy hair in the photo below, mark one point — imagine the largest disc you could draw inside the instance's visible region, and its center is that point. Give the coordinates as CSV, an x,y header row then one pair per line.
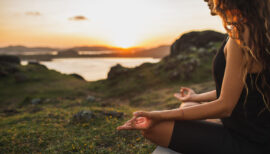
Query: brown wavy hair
x,y
253,16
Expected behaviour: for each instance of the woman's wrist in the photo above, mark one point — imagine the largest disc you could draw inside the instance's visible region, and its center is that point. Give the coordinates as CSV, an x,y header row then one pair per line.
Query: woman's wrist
x,y
174,114
192,98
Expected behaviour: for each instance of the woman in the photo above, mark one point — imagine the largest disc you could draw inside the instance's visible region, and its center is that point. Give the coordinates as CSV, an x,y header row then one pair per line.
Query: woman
x,y
241,69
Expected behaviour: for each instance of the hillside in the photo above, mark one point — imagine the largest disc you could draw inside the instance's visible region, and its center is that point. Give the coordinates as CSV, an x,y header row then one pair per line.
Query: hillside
x,y
189,61
43,111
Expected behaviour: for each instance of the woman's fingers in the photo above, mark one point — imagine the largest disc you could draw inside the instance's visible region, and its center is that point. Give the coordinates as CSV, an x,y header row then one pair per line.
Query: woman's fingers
x,y
139,123
128,125
184,90
125,127
181,98
177,95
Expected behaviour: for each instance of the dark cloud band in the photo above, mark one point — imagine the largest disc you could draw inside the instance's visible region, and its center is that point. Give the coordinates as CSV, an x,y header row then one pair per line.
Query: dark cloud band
x,y
33,13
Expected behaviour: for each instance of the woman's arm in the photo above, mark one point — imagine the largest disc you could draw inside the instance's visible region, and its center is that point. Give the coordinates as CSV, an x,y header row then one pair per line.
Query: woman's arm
x,y
204,97
223,106
189,95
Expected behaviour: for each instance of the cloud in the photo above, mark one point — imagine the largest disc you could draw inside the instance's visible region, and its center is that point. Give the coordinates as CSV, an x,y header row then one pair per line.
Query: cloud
x,y
78,18
33,13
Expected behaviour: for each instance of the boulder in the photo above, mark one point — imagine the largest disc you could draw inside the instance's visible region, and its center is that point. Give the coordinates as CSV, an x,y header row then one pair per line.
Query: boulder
x,y
20,78
7,68
91,99
34,62
77,76
3,72
36,101
114,114
10,112
116,71
195,39
83,116
34,109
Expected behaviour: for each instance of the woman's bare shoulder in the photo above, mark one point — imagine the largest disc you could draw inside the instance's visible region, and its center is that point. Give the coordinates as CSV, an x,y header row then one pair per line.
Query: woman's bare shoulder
x,y
235,47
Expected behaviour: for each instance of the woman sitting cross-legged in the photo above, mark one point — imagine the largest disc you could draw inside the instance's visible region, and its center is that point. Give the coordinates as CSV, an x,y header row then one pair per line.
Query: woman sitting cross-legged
x,y
241,69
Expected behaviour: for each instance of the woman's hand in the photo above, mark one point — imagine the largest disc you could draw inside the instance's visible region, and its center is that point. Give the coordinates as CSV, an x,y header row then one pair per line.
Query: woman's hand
x,y
186,94
137,123
141,121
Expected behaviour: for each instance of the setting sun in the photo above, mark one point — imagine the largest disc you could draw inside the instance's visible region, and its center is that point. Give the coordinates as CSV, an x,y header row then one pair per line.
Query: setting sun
x,y
124,41
124,44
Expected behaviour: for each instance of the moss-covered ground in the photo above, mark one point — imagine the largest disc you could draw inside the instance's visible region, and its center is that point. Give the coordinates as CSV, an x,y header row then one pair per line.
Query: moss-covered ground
x,y
46,127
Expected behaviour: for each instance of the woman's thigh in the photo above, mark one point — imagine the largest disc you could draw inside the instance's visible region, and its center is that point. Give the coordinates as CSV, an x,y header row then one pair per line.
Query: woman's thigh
x,y
192,137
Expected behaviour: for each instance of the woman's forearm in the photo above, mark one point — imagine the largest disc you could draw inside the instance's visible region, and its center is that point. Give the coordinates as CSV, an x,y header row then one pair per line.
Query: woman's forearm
x,y
214,109
205,97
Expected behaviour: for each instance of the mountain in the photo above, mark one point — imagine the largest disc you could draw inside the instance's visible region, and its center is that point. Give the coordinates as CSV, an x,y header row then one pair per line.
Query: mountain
x,y
92,48
158,52
24,49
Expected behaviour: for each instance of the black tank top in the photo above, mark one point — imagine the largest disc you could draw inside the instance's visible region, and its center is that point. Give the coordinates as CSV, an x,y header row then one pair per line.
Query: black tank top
x,y
246,119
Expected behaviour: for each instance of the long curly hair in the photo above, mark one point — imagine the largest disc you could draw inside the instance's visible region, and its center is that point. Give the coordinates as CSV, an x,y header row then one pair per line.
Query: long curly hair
x,y
253,16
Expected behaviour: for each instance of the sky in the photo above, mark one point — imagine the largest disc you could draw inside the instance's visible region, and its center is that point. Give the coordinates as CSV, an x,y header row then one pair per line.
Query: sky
x,y
119,23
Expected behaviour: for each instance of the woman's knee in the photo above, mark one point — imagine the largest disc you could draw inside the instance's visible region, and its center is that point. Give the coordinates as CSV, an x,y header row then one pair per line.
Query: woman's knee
x,y
160,134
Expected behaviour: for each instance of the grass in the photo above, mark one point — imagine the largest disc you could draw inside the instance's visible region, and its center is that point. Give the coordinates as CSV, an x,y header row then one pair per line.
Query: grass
x,y
50,131
39,82
47,127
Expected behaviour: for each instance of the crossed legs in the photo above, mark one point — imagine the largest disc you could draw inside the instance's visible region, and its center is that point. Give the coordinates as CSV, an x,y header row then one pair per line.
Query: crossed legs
x,y
161,133
199,136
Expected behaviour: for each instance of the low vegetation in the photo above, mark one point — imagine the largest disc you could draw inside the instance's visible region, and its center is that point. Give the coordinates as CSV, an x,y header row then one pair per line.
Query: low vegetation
x,y
38,105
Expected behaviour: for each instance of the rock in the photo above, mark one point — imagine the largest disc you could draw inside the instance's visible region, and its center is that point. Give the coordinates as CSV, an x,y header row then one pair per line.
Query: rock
x,y
10,112
34,62
181,57
3,72
10,68
187,42
175,75
83,116
36,101
77,76
7,68
114,114
10,59
116,71
91,99
171,65
47,100
20,78
34,109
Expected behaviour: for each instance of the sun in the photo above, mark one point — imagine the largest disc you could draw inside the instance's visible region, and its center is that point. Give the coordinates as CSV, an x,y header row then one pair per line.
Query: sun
x,y
123,42
124,38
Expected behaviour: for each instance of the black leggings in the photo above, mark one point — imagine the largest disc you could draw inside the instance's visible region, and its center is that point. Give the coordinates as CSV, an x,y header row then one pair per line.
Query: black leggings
x,y
202,137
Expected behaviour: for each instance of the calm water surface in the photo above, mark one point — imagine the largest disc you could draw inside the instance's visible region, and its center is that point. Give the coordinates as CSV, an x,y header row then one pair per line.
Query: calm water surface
x,y
93,68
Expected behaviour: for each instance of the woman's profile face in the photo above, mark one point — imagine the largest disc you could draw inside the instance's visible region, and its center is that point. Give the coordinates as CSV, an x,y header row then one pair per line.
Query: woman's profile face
x,y
211,6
